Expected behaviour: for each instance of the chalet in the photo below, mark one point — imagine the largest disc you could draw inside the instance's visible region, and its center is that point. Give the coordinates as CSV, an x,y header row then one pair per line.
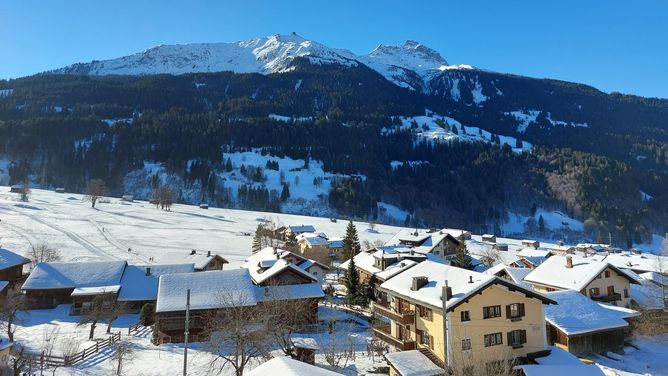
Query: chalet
x,y
127,198
202,261
593,276
60,190
11,266
489,238
285,366
53,283
509,273
580,326
531,243
489,320
309,241
213,291
296,230
303,349
268,256
440,243
379,265
139,284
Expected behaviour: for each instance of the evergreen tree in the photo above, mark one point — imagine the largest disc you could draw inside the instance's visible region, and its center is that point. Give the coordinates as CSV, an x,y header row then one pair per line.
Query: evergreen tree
x,y
533,209
228,165
462,256
541,224
257,239
353,287
285,193
291,244
351,242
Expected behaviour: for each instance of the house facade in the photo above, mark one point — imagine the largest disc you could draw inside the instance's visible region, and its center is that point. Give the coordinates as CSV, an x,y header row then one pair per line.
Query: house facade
x,y
11,266
487,320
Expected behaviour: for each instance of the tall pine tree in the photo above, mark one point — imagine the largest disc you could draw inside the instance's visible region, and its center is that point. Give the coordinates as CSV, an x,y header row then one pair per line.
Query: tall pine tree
x,y
351,242
257,239
462,257
352,280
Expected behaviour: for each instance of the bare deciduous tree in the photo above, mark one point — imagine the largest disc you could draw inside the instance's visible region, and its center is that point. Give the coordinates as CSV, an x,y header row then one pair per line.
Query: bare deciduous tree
x,y
114,309
44,253
123,351
489,256
25,190
339,346
284,316
238,334
98,312
12,311
163,198
94,190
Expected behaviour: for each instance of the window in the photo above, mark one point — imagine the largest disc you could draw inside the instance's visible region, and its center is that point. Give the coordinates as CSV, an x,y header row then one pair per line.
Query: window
x,y
611,290
491,311
626,292
466,316
493,339
466,344
549,289
594,291
517,337
607,274
515,311
424,312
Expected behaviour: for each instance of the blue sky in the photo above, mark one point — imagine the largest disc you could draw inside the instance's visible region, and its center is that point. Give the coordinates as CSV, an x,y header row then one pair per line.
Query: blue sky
x,y
612,45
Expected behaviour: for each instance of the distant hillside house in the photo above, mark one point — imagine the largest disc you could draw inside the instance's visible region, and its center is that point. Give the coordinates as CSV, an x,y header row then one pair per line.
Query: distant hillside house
x,y
593,276
267,257
202,261
380,264
580,325
440,243
11,266
297,230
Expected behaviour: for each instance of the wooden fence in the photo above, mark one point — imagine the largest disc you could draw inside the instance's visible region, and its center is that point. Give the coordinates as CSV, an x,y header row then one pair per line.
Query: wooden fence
x,y
51,360
135,328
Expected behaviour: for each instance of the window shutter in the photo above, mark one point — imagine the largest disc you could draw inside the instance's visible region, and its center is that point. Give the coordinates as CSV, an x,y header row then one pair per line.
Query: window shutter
x,y
523,336
509,336
521,309
431,342
508,311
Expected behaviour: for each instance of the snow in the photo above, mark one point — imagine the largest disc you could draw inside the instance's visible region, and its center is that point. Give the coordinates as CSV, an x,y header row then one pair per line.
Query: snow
x,y
527,117
3,284
136,285
199,259
429,129
95,290
649,358
639,262
238,290
285,366
63,275
113,121
9,259
397,164
559,362
366,261
576,314
413,363
391,213
645,196
554,220
6,92
298,84
288,119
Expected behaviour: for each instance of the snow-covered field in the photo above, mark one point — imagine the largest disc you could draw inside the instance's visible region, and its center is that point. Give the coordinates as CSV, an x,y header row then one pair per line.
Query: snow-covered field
x,y
80,232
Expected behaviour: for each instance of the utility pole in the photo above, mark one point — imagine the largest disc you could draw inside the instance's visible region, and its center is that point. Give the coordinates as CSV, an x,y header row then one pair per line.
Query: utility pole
x,y
185,333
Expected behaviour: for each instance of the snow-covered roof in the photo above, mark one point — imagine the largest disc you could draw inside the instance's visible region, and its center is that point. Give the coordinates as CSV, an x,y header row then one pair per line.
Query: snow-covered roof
x,y
559,362
136,285
309,263
305,343
315,241
286,366
208,290
412,363
261,271
3,285
577,314
335,243
95,290
463,282
427,239
516,274
643,262
302,228
199,259
65,275
655,277
367,262
554,272
9,259
533,252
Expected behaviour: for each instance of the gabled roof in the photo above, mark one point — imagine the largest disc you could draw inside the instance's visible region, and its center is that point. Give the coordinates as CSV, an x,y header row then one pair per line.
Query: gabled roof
x,y
516,274
137,286
208,290
199,259
66,275
576,314
367,261
286,366
464,284
553,272
9,259
261,275
302,228
427,239
269,262
643,262
413,363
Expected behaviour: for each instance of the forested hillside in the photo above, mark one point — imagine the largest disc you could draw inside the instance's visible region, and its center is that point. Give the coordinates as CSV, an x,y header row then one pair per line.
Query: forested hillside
x,y
602,158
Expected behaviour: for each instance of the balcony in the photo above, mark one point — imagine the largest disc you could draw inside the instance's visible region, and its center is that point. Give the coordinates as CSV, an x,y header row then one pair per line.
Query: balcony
x,y
614,297
383,333
383,309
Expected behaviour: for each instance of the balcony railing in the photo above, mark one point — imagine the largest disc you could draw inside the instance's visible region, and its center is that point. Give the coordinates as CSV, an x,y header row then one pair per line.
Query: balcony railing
x,y
383,333
383,309
608,298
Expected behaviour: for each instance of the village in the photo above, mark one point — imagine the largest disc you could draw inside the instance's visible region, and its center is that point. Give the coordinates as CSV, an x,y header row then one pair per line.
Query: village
x,y
321,296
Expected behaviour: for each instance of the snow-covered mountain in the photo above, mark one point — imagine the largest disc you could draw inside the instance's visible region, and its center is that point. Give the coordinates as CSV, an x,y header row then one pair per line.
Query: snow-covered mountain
x,y
409,65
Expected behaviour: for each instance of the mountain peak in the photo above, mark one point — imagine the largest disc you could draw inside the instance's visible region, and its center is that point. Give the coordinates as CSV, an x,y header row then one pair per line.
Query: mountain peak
x,y
411,55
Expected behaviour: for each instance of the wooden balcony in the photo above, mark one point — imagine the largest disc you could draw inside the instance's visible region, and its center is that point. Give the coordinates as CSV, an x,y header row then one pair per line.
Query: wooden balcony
x,y
383,309
614,297
383,333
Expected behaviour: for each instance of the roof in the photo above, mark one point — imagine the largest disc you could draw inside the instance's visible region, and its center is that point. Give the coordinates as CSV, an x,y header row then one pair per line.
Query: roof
x,y
96,290
458,279
559,362
366,261
286,366
261,271
3,285
643,262
67,275
309,263
335,243
208,290
516,274
9,259
302,228
137,286
576,314
200,259
649,294
553,272
305,343
412,363
427,239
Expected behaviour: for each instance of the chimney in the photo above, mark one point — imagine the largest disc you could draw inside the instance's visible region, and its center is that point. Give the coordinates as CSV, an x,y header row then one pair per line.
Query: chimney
x,y
148,271
418,282
208,253
470,279
447,291
193,252
569,262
